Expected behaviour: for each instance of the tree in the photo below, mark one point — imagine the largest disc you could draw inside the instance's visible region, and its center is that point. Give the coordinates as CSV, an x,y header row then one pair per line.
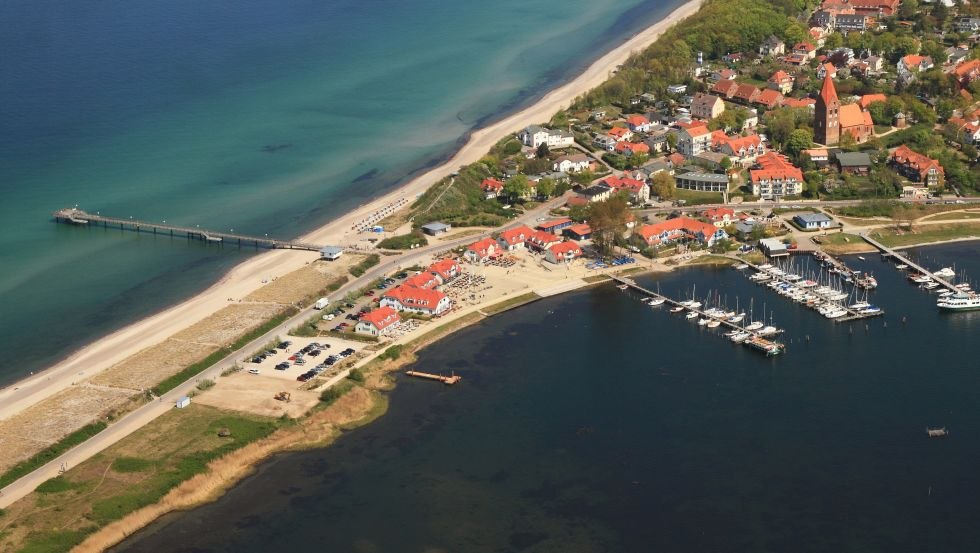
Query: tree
x,y
726,163
671,141
662,184
814,180
879,113
517,187
833,40
512,147
847,141
799,140
608,220
908,9
944,108
546,187
543,150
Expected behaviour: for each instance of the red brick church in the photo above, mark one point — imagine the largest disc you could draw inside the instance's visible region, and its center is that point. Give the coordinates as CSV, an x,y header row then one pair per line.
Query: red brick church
x,y
832,120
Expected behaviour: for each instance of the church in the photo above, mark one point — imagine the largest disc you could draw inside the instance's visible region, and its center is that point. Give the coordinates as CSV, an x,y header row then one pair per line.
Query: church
x,y
832,120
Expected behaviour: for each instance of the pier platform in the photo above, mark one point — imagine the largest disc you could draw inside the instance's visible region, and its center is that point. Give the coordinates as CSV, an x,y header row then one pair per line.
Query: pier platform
x,y
892,253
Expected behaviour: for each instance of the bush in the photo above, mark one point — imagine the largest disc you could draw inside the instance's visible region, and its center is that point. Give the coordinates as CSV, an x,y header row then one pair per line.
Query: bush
x,y
57,484
393,352
357,375
404,242
335,392
205,384
363,266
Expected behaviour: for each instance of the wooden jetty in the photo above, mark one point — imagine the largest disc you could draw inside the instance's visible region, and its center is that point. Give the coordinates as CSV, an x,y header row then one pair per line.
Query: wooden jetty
x,y
450,380
75,216
852,314
757,341
889,252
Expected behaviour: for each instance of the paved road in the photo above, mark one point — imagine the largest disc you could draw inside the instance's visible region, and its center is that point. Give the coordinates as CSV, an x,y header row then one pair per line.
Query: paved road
x,y
775,205
147,413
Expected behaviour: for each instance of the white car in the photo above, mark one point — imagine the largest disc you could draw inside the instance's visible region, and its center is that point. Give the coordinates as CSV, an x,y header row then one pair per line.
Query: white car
x,y
253,371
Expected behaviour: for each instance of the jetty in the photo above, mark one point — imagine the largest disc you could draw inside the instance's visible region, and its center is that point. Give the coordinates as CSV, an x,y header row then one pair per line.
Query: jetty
x,y
77,217
756,340
852,313
449,380
892,253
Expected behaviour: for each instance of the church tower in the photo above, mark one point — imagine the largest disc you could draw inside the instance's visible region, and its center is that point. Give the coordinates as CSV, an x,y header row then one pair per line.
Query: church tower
x,y
826,122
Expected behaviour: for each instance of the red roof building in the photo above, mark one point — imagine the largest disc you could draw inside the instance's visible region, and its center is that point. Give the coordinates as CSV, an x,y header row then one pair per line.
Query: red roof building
x,y
746,93
638,123
726,88
425,280
416,300
720,216
916,167
775,177
445,270
513,239
541,240
377,321
769,98
563,252
869,99
482,250
555,225
630,148
679,228
491,188
620,133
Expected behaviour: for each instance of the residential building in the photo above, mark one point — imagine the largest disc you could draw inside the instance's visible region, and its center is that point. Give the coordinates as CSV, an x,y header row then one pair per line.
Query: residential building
x,y
702,182
847,22
595,193
967,24
491,188
377,322
826,69
581,231
916,167
515,238
720,216
482,250
657,138
445,270
620,133
692,140
878,8
536,135
555,225
746,93
629,148
706,106
723,74
967,72
677,89
769,98
856,122
744,229
726,88
563,252
681,229
911,65
808,103
574,163
638,123
605,142
424,279
638,190
813,221
741,149
541,240
772,46
775,177
416,300
854,163
819,156
781,82
805,49
773,247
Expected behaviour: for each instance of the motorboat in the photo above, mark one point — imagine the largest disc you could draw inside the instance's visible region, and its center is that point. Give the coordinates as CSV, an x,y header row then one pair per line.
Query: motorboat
x,y
768,331
945,272
739,337
859,305
757,325
702,322
959,302
901,267
677,309
691,315
714,323
737,318
655,302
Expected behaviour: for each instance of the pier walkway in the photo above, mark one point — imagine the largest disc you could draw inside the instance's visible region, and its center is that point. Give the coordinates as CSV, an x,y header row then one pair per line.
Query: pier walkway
x,y
75,216
889,252
779,347
852,314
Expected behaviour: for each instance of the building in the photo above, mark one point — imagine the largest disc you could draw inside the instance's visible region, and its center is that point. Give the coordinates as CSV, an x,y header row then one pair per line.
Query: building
x,y
967,72
628,149
856,122
772,46
744,229
877,8
726,88
869,99
681,229
563,252
692,140
706,106
911,65
491,188
515,238
581,231
826,69
702,182
416,300
813,221
574,163
331,252
781,82
638,123
639,191
436,228
805,49
775,177
536,135
773,248
423,279
620,133
377,322
595,193
445,270
741,149
676,89
916,167
541,240
723,74
182,402
720,216
482,250
831,119
605,142
819,156
769,98
746,93
854,163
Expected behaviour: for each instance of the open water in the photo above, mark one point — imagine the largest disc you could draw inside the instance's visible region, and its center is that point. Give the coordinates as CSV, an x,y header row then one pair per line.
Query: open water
x,y
592,423
262,116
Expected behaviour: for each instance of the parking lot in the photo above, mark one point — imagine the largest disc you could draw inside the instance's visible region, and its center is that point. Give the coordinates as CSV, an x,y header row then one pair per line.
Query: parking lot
x,y
296,358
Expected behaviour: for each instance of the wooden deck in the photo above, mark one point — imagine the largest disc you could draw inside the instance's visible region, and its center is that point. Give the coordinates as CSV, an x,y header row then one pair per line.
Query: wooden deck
x,y
75,216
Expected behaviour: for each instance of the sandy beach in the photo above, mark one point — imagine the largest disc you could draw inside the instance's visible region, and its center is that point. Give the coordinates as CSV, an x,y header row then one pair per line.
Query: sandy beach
x,y
248,276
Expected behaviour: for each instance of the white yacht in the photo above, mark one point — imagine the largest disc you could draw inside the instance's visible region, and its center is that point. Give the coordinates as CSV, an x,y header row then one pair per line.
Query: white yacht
x,y
754,326
959,302
656,301
945,272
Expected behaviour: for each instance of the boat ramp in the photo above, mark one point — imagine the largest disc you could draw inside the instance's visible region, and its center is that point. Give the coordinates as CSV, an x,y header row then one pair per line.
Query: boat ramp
x,y
754,339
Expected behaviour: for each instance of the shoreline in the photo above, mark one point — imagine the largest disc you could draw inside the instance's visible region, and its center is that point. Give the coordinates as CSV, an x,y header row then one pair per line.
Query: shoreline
x,y
246,276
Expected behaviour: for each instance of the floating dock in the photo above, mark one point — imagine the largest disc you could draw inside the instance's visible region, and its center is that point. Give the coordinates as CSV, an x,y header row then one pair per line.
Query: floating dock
x,y
758,342
889,252
449,380
77,217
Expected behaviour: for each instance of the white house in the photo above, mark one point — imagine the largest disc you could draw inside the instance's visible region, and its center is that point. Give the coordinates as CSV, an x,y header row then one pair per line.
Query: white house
x,y
813,221
573,164
377,322
693,140
562,252
909,66
482,250
416,300
536,135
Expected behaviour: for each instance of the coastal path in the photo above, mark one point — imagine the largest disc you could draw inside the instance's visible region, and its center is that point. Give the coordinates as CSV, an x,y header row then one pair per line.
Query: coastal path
x,y
889,252
134,420
75,216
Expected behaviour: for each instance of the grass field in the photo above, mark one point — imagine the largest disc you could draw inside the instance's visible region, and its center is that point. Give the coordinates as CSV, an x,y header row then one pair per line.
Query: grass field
x,y
929,233
955,215
697,198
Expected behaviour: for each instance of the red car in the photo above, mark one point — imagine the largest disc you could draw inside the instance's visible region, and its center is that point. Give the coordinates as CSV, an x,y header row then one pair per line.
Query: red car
x,y
369,293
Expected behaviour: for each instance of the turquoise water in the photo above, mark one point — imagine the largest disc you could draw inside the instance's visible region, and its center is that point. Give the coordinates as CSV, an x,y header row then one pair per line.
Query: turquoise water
x,y
593,423
162,111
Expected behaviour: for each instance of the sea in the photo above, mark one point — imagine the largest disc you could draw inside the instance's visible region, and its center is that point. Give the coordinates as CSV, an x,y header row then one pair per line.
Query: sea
x,y
257,116
590,422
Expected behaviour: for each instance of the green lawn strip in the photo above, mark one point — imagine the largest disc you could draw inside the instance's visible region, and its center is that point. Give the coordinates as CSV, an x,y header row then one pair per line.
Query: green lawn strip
x,y
51,452
367,263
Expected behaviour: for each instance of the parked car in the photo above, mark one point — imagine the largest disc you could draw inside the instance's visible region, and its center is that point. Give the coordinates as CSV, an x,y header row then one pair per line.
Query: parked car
x,y
256,360
253,370
282,366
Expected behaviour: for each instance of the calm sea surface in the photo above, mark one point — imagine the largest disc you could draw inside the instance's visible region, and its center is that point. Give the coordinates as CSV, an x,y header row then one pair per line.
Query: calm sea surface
x,y
164,110
592,423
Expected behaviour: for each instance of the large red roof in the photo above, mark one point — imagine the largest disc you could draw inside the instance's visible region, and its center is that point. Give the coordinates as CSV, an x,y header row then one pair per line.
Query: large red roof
x,y
516,235
381,317
412,296
775,167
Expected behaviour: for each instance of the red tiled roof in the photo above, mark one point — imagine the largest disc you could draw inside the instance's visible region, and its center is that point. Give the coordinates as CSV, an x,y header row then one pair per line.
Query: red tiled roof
x,y
541,238
415,297
516,235
635,147
491,184
798,102
444,268
769,98
804,46
482,246
636,120
676,226
779,76
618,132
851,115
726,87
746,92
912,60
909,157
869,99
828,91
967,68
618,183
775,167
718,213
554,223
566,247
381,317
421,280
580,229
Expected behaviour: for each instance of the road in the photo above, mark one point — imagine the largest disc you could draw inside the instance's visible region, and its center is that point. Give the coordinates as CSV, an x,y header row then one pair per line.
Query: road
x,y
140,417
773,205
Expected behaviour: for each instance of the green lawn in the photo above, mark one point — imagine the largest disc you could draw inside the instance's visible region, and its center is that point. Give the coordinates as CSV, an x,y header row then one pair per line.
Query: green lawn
x,y
929,233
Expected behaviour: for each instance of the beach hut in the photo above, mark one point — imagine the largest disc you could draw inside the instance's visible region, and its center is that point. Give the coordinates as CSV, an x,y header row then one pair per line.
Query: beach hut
x,y
435,228
331,252
184,401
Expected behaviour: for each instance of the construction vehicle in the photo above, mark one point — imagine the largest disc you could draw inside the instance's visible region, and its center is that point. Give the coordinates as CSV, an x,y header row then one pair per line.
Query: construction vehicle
x,y
282,396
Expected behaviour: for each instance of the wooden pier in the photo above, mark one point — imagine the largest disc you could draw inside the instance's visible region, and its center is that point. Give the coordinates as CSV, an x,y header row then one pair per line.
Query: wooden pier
x,y
889,252
449,380
736,327
852,314
75,216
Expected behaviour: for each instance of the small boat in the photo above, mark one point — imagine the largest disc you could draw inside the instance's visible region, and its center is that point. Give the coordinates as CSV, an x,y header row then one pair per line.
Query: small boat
x,y
930,285
655,302
901,267
623,286
859,305
861,257
945,272
754,326
691,315
677,309
740,337
702,322
768,331
737,318
937,432
714,323
962,286
870,310
695,304
741,266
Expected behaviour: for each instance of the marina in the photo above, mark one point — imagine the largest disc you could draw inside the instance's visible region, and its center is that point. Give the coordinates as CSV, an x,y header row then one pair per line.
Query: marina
x,y
754,335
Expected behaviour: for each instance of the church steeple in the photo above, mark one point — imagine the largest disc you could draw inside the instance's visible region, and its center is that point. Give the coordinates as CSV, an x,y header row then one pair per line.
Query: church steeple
x,y
826,122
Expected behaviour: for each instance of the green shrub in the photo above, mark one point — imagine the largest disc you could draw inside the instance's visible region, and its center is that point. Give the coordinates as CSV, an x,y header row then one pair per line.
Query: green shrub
x,y
393,352
357,375
57,484
51,452
131,464
205,384
408,241
335,392
367,263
